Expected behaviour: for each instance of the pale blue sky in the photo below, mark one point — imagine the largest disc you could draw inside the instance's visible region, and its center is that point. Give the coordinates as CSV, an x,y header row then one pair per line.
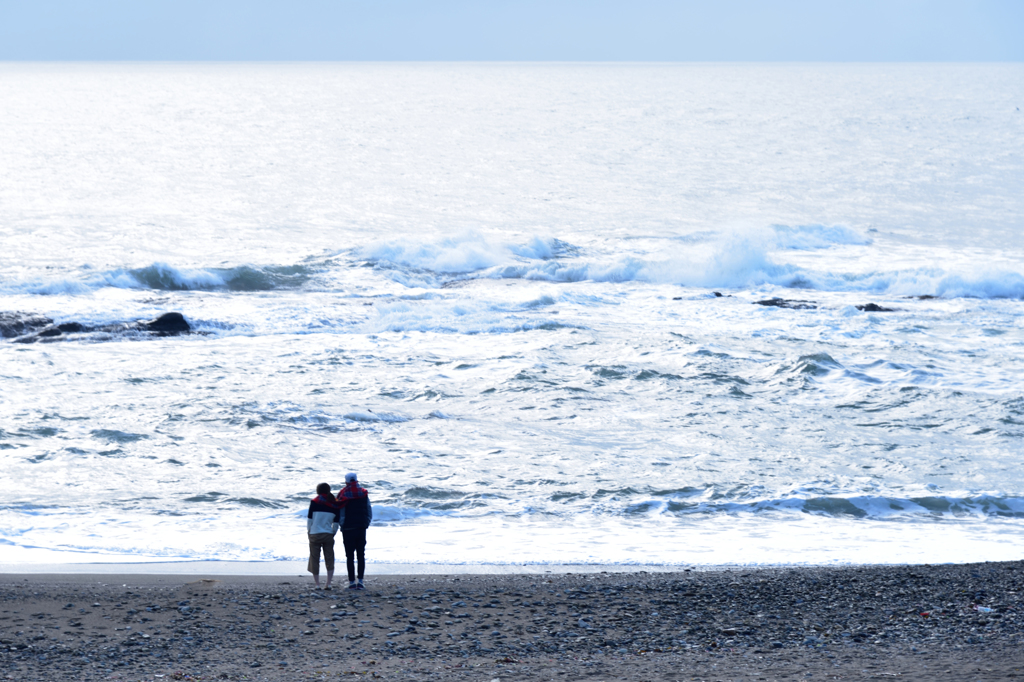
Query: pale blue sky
x,y
555,30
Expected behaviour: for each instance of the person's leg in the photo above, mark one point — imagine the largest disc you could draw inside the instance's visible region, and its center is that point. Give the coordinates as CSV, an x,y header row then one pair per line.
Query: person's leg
x,y
346,537
361,553
314,559
329,561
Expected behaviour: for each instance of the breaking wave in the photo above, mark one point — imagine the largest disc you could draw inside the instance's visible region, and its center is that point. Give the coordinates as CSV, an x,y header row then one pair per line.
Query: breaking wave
x,y
734,260
466,253
164,277
243,278
729,260
853,506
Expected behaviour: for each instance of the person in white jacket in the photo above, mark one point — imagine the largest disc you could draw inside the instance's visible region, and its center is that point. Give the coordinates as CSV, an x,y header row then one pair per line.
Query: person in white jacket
x,y
322,522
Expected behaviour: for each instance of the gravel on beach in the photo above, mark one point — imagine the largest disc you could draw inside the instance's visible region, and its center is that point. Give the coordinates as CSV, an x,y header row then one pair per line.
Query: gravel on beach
x,y
955,622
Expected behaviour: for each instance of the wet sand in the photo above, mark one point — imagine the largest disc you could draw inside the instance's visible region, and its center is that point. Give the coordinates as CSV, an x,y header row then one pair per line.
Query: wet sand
x,y
955,622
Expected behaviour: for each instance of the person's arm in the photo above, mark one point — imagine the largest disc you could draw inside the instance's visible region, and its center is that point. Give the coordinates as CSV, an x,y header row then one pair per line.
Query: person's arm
x,y
341,516
337,521
309,518
369,511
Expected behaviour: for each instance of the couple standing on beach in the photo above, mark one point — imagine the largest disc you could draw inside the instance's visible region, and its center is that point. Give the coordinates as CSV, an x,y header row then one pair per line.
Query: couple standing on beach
x,y
351,512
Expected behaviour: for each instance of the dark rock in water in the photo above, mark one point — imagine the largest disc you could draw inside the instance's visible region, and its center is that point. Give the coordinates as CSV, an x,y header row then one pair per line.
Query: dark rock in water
x,y
18,324
677,298
926,297
29,328
52,331
874,308
788,303
48,332
167,324
718,294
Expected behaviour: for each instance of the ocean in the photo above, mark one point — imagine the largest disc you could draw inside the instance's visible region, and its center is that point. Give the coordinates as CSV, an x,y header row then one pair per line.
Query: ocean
x,y
674,314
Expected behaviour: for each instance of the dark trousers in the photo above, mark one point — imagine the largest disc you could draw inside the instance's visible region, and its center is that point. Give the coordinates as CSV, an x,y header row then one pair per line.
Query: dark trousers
x,y
355,544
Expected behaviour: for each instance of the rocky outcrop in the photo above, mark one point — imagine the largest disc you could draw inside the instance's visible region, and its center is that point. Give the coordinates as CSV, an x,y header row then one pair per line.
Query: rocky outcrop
x,y
793,304
168,324
14,324
30,328
788,303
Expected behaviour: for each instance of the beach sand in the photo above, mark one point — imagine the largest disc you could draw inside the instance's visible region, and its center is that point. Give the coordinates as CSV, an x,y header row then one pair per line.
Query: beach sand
x,y
948,622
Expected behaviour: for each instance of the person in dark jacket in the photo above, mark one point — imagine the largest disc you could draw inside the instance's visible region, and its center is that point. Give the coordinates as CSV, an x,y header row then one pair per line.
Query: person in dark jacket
x,y
355,517
322,523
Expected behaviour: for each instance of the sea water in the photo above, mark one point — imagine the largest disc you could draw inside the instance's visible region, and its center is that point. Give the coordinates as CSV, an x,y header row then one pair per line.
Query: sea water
x,y
521,302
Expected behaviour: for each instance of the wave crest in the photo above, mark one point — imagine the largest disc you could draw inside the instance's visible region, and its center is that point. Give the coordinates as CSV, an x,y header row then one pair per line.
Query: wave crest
x,y
737,259
164,277
878,507
461,254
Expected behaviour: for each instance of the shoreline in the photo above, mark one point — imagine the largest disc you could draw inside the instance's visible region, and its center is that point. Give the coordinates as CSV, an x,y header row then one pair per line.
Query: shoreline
x,y
257,569
960,621
296,568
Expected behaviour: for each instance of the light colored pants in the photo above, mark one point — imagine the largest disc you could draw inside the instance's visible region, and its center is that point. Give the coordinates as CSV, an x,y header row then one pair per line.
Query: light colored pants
x,y
318,541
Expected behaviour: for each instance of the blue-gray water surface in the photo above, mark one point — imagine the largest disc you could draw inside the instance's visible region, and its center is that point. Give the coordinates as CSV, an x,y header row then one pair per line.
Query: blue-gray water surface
x,y
522,301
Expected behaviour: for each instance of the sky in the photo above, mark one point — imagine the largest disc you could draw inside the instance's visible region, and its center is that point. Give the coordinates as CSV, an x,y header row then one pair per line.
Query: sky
x,y
513,30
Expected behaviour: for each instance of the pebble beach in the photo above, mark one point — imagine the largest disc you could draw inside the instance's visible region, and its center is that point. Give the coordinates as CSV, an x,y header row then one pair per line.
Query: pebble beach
x,y
959,622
